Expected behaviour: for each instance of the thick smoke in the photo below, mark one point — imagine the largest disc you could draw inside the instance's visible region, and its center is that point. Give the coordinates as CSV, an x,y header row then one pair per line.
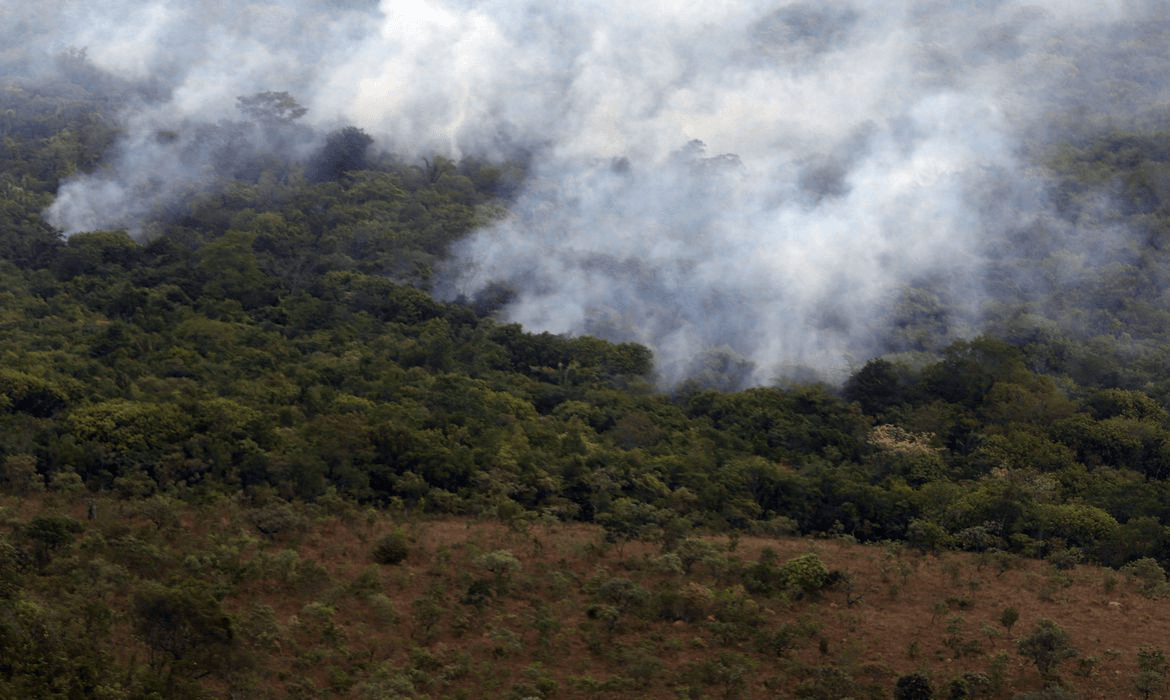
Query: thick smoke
x,y
736,183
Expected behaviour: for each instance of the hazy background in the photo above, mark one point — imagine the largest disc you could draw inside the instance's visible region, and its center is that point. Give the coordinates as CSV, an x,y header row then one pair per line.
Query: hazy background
x,y
758,188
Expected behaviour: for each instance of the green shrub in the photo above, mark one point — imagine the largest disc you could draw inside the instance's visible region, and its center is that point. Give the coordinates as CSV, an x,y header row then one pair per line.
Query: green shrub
x,y
1065,559
805,574
914,686
392,548
277,518
1009,617
1047,645
927,536
1149,576
623,594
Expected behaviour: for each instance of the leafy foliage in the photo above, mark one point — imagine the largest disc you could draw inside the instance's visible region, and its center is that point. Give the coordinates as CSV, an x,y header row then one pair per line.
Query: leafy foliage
x,y
185,627
1047,645
393,548
805,574
914,686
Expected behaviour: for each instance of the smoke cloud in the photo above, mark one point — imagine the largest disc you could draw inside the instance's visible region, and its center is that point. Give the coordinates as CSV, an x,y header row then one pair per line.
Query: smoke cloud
x,y
736,183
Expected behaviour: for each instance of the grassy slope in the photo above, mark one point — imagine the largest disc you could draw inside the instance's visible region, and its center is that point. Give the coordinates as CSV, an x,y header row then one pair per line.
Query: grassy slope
x,y
328,622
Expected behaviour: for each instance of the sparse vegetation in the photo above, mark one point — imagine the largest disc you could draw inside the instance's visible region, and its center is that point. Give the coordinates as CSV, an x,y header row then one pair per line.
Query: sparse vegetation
x,y
228,607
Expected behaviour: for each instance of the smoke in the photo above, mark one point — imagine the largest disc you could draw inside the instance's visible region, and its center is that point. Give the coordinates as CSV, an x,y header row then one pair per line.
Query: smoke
x,y
729,183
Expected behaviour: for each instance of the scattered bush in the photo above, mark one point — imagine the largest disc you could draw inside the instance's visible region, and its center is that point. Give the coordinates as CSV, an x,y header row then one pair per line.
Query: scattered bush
x,y
1046,646
1149,576
914,686
805,574
1152,670
1065,559
392,548
1009,617
277,518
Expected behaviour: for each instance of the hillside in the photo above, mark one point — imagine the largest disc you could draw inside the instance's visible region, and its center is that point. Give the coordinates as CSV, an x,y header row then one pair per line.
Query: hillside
x,y
259,600
250,445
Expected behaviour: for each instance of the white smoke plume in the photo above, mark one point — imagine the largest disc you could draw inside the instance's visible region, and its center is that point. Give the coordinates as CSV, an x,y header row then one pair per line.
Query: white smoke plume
x,y
759,179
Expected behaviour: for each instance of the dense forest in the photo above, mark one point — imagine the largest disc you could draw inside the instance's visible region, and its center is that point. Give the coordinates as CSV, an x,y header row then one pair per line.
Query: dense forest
x,y
270,342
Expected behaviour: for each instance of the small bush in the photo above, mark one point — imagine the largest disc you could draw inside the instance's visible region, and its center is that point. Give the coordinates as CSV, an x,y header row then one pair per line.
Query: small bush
x,y
499,562
979,539
805,574
1009,617
392,548
623,594
1065,559
927,536
1087,666
913,687
977,685
277,518
1149,576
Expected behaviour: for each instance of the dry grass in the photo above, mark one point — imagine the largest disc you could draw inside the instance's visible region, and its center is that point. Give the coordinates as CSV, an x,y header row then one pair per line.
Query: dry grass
x,y
900,612
479,609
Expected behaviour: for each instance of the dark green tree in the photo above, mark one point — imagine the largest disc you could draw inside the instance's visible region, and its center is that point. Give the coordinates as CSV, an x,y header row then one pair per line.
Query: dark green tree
x,y
1047,645
188,633
1008,618
878,386
914,686
392,548
344,151
48,534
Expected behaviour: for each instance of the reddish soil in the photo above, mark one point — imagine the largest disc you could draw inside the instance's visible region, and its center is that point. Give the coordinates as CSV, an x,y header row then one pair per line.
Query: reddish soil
x,y
896,617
